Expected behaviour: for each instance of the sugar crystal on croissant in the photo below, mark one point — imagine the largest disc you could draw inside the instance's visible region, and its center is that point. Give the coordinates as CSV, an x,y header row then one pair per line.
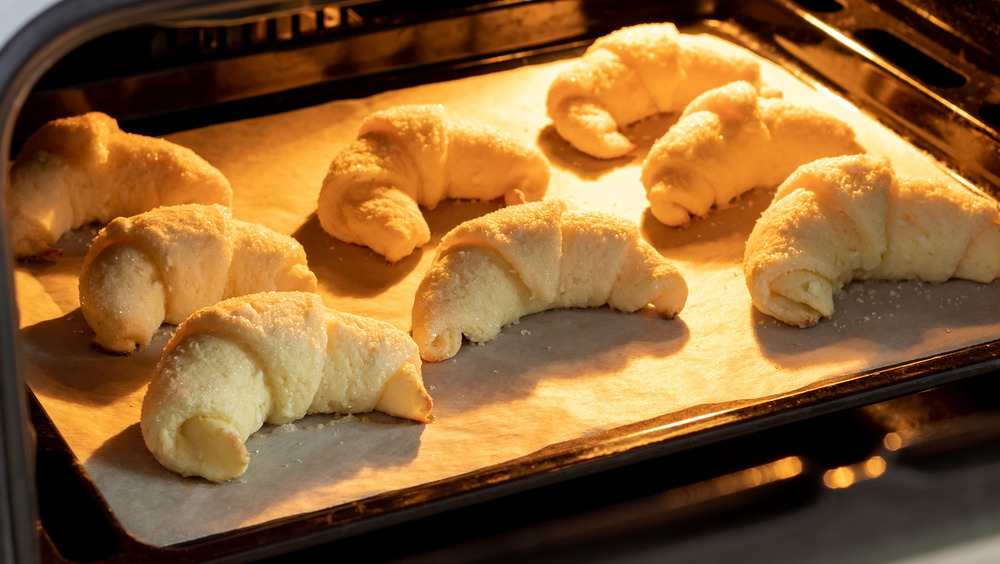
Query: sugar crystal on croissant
x,y
490,271
82,169
408,157
853,218
271,357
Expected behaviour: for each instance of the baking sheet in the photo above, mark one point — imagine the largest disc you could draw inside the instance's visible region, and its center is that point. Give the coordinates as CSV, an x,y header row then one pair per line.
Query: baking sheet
x,y
555,376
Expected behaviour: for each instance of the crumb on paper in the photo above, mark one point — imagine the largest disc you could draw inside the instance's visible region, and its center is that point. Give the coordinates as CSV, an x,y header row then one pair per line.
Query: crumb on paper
x,y
331,420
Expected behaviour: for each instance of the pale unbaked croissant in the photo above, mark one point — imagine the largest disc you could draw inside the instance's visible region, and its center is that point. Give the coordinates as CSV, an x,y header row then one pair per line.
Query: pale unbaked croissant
x,y
634,73
730,140
163,265
271,358
82,169
850,218
406,157
490,271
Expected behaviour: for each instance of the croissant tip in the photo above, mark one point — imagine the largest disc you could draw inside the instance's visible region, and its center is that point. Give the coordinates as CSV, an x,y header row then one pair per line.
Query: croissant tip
x,y
628,150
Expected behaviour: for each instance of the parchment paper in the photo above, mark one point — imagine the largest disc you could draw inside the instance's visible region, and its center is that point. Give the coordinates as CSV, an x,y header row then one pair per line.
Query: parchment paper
x,y
555,376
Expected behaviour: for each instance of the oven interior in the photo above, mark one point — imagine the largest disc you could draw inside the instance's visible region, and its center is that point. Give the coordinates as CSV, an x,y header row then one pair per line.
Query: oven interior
x,y
926,68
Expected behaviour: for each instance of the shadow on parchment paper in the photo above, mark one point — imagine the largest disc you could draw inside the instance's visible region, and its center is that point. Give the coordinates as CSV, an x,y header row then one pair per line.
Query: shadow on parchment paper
x,y
730,226
448,214
355,270
349,269
73,245
643,134
874,317
340,446
64,364
547,345
127,452
564,156
343,446
76,242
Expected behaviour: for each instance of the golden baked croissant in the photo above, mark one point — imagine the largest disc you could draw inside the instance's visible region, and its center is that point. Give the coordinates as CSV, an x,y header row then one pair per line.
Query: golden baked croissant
x,y
165,264
490,271
411,156
634,73
82,169
730,140
851,218
271,357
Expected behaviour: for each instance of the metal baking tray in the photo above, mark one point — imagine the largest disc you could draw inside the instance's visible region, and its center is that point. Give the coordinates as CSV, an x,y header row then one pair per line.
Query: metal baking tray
x,y
861,52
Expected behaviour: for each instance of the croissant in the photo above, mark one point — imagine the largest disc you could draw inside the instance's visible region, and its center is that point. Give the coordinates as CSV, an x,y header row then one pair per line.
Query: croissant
x,y
271,357
490,271
77,170
730,140
411,156
852,218
634,73
165,264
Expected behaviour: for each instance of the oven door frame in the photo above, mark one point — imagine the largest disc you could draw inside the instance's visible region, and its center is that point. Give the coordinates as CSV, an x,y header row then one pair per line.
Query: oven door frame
x,y
24,59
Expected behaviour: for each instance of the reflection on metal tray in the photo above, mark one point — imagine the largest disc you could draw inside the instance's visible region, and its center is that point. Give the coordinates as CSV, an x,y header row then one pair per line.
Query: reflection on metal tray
x,y
834,45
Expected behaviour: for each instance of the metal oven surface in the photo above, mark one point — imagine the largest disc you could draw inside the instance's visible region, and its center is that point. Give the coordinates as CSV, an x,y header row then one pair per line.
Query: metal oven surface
x,y
808,40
